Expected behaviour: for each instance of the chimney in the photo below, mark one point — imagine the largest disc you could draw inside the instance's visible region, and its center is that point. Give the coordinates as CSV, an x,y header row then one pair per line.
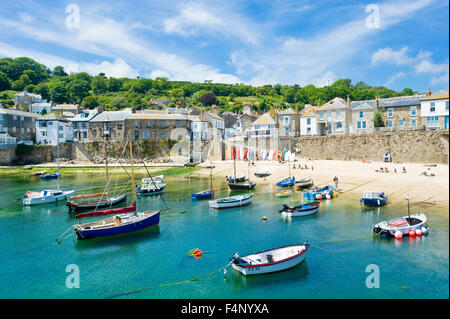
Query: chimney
x,y
99,109
133,110
348,100
78,109
214,109
377,102
428,92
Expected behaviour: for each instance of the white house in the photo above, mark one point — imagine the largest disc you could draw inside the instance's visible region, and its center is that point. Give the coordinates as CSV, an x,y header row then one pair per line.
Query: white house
x,y
216,121
38,108
7,140
263,128
80,124
308,124
51,127
434,110
199,128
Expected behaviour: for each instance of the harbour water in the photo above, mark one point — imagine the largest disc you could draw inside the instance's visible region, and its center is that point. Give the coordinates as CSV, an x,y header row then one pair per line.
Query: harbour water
x,y
34,265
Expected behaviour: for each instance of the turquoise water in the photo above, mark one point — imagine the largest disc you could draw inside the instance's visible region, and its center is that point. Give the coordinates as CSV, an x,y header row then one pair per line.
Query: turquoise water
x,y
33,265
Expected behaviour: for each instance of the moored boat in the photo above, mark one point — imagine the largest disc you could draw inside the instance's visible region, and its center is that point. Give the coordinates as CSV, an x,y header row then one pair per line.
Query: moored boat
x,y
403,225
262,174
303,183
46,196
287,182
271,260
232,201
300,210
151,188
241,186
102,202
51,176
238,179
326,192
202,195
283,194
373,199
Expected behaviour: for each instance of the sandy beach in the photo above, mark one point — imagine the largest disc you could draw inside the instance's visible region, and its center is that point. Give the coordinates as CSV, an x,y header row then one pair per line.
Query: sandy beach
x,y
354,177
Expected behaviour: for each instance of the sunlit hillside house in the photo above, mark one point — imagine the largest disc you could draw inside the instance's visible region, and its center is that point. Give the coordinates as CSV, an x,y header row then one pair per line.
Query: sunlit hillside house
x,y
18,124
288,122
402,112
264,127
363,113
80,124
160,103
334,117
67,110
26,99
199,128
216,121
158,126
52,128
41,108
109,125
308,121
434,110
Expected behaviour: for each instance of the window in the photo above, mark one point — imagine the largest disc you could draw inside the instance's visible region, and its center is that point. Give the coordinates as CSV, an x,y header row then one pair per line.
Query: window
x,y
145,134
361,124
390,112
178,123
338,114
432,107
433,121
94,125
361,114
163,123
14,129
308,121
60,128
149,123
119,126
390,123
329,116
413,123
61,135
50,123
136,134
136,123
338,126
321,115
163,136
256,126
308,130
43,133
413,111
446,106
401,123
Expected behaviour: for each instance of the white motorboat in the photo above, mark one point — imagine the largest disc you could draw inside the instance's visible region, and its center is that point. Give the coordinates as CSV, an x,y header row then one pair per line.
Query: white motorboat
x,y
301,210
403,224
233,201
150,188
271,260
46,196
158,178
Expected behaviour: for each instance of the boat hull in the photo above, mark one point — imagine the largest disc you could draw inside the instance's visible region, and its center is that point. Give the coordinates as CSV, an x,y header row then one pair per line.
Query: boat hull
x,y
238,202
300,213
151,220
374,202
385,227
323,193
287,182
237,186
202,195
92,205
265,268
50,176
151,191
47,199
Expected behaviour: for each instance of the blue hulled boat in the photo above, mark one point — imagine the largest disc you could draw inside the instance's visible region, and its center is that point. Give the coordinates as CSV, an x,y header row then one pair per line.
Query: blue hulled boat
x,y
373,199
50,176
322,193
202,195
287,182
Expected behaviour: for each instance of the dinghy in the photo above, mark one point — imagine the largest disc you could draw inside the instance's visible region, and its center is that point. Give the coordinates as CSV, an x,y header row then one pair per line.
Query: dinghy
x,y
207,194
232,201
403,224
51,176
46,196
287,182
239,178
323,193
151,188
300,210
373,199
304,183
262,174
272,260
283,194
103,202
158,178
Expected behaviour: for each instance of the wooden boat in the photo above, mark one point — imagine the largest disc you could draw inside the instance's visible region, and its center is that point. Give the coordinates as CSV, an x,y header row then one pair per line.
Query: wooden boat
x,y
158,178
239,178
271,260
232,201
283,194
207,194
322,193
304,183
39,173
46,196
300,210
121,223
373,199
241,186
110,211
262,174
287,182
403,224
94,204
117,225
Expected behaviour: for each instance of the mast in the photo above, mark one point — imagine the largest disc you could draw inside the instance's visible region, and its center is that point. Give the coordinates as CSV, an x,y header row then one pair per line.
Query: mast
x,y
210,181
132,169
409,216
289,163
234,158
107,174
57,152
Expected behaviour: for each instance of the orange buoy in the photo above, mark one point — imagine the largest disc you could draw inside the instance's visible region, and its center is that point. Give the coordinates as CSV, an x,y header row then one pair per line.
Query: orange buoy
x,y
318,196
264,218
412,233
197,252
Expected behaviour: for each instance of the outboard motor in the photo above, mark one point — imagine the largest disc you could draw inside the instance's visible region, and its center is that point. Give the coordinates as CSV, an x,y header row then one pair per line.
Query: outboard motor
x,y
285,207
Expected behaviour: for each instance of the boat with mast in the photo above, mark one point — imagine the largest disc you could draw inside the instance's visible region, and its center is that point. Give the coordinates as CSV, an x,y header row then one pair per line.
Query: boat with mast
x,y
91,202
247,184
207,194
48,196
290,181
237,178
122,223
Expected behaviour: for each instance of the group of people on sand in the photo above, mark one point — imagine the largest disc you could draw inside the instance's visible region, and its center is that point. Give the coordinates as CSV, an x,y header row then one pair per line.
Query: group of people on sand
x,y
302,167
386,170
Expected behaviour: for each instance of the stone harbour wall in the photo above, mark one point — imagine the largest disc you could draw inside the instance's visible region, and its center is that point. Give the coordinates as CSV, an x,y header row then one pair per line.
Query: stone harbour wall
x,y
39,154
430,146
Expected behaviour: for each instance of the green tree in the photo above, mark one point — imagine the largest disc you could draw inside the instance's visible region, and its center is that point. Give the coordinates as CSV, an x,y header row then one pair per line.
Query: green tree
x,y
114,85
119,102
378,118
98,84
58,91
90,102
5,83
59,71
79,89
21,83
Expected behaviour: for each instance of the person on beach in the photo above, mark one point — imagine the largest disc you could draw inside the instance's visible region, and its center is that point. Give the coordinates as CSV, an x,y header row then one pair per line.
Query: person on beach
x,y
395,170
404,169
381,170
386,170
335,179
293,166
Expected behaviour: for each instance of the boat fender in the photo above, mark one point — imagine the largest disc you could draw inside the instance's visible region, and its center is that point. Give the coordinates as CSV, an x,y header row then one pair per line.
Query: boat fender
x,y
398,234
424,230
418,232
412,233
264,218
328,196
318,196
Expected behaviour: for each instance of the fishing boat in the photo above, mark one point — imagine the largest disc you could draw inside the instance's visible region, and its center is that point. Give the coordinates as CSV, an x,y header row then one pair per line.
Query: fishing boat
x,y
239,182
150,188
48,196
271,260
232,201
39,173
402,226
300,210
158,178
283,194
262,173
326,192
120,224
207,194
287,182
90,202
303,183
373,199
236,179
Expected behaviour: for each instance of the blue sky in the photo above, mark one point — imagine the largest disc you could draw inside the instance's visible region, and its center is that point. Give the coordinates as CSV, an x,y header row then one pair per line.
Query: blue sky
x,y
254,42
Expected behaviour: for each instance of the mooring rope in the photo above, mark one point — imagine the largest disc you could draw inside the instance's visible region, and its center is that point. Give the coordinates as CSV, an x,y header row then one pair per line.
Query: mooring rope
x,y
358,186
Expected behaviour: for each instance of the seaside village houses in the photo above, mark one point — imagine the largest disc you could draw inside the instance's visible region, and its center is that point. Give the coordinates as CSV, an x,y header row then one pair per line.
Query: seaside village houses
x,y
16,126
51,128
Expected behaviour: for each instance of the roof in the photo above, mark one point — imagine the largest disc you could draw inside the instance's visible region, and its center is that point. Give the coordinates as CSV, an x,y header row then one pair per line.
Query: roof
x,y
17,112
65,107
363,105
79,117
264,119
156,116
112,116
6,135
25,93
287,111
307,114
197,118
42,104
336,103
214,115
52,117
436,96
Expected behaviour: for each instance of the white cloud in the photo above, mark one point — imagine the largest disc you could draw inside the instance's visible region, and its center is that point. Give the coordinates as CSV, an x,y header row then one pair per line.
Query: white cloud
x,y
395,77
426,66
